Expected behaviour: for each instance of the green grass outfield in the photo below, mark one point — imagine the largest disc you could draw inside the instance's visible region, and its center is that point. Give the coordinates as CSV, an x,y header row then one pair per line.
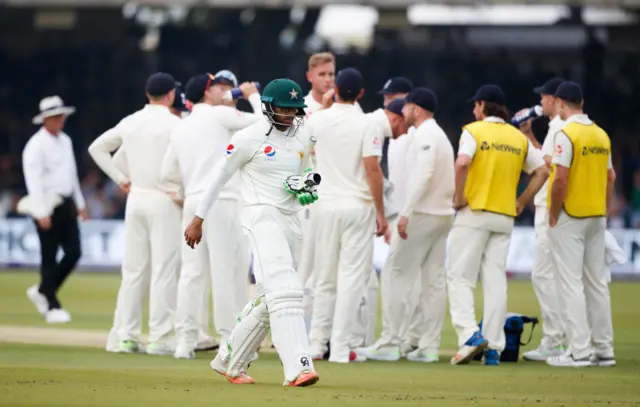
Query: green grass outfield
x,y
45,375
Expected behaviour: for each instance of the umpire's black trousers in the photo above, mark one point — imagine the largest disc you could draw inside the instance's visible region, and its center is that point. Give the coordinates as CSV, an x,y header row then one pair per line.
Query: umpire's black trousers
x,y
63,233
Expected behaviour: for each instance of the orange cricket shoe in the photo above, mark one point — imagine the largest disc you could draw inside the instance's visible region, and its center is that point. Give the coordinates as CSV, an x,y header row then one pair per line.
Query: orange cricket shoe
x,y
305,378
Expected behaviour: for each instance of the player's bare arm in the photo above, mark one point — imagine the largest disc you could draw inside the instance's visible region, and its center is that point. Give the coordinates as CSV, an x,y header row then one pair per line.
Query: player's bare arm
x,y
462,170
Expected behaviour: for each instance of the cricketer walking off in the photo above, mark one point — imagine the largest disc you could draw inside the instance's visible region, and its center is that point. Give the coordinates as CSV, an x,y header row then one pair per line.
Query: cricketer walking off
x,y
580,192
152,220
491,158
271,156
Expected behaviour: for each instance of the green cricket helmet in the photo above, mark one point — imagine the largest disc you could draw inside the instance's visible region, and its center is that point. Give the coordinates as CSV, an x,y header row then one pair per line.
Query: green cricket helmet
x,y
283,93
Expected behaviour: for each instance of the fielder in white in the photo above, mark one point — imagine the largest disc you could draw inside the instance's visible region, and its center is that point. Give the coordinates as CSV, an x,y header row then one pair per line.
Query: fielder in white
x,y
269,155
580,192
197,145
152,220
417,251
347,155
543,275
491,158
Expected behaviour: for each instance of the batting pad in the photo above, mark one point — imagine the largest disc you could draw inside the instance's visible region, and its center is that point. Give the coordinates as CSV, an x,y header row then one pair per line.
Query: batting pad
x,y
251,329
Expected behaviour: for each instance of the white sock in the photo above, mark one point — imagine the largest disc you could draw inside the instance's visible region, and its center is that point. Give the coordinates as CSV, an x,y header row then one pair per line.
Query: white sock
x,y
289,336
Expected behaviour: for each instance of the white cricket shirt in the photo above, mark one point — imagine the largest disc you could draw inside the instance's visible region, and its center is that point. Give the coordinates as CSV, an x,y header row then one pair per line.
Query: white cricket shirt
x,y
145,138
344,136
555,125
313,105
486,220
199,142
379,117
431,183
265,157
49,168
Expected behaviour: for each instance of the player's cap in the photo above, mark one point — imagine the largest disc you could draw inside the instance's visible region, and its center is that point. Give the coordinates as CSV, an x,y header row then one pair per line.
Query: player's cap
x,y
159,84
549,88
395,106
399,84
180,102
489,93
569,91
423,97
227,77
197,85
349,82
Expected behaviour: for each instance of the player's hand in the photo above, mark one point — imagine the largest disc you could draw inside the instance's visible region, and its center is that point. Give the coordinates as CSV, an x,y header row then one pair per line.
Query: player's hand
x,y
82,214
125,186
248,89
403,221
553,220
381,224
459,203
193,233
327,98
44,223
387,236
519,207
176,199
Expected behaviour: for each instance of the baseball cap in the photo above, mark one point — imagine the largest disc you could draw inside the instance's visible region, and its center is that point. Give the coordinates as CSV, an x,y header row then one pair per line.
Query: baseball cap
x,y
197,85
225,76
180,102
349,82
549,88
160,83
489,93
399,84
395,106
423,97
569,91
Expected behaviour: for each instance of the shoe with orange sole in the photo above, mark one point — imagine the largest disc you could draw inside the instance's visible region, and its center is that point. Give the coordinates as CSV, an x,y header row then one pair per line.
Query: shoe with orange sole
x,y
305,378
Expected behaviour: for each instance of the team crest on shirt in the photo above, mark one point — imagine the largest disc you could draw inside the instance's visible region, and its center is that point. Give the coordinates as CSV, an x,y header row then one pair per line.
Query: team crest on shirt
x,y
230,149
559,149
270,153
376,141
301,154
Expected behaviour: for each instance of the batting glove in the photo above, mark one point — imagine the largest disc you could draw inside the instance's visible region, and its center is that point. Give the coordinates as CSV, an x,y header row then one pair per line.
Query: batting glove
x,y
305,187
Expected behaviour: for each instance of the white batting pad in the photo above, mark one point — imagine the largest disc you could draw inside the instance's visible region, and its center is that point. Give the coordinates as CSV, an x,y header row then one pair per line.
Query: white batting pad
x,y
251,329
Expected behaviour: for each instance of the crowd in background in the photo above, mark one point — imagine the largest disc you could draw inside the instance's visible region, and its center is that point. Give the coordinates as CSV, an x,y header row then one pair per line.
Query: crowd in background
x,y
102,72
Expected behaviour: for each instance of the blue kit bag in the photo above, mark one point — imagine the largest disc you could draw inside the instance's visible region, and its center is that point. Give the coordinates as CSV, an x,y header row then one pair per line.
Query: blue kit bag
x,y
513,329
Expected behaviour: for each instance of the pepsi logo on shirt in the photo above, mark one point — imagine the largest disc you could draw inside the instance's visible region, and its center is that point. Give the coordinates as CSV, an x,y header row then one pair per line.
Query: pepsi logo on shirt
x,y
270,153
230,149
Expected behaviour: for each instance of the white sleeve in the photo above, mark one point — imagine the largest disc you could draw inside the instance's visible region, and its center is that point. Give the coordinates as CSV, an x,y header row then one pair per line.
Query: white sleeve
x,y
547,145
610,164
33,168
533,160
468,144
563,150
256,103
101,148
238,153
78,198
234,120
372,140
170,169
425,152
120,160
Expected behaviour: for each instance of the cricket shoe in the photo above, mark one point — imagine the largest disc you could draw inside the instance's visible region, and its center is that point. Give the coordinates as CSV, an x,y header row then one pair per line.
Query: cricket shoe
x,y
491,358
57,316
602,361
474,345
130,346
423,356
543,352
184,351
407,348
569,361
39,300
220,366
304,379
377,351
159,349
207,344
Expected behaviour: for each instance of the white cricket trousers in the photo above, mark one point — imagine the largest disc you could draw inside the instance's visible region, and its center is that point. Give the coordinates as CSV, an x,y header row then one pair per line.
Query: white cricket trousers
x,y
344,260
152,238
419,258
275,239
222,254
306,264
579,255
474,251
545,283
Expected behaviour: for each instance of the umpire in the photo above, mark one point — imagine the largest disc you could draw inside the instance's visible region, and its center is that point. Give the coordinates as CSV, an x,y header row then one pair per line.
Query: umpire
x,y
54,201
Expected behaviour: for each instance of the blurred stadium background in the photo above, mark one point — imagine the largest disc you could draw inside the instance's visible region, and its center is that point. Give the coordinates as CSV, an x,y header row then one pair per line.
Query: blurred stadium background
x,y
96,55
